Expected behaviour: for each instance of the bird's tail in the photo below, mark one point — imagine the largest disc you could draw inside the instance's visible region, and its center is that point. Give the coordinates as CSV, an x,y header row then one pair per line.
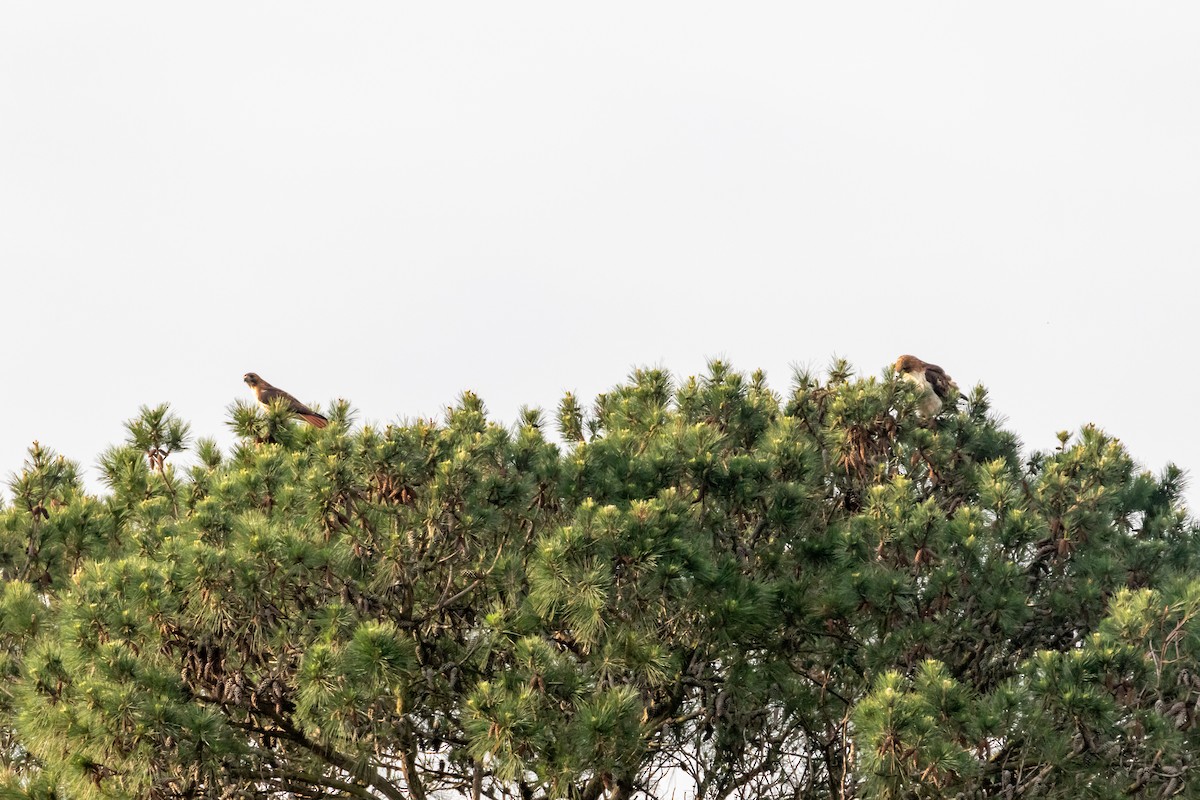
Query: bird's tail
x,y
316,420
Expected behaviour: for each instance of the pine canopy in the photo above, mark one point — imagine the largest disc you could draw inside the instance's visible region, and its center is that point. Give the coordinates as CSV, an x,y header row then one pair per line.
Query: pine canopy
x,y
685,589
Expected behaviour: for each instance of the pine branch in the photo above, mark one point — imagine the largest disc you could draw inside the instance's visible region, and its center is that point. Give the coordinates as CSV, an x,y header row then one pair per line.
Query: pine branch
x,y
336,759
292,778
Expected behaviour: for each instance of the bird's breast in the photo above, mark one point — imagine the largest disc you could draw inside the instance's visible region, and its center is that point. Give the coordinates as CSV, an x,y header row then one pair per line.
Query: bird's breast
x,y
919,380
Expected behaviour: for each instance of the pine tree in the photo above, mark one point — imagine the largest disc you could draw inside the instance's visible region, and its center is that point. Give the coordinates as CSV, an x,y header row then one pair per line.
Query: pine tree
x,y
698,588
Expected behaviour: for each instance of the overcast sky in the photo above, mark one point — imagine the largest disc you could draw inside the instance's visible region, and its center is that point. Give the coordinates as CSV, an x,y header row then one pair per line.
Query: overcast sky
x,y
393,202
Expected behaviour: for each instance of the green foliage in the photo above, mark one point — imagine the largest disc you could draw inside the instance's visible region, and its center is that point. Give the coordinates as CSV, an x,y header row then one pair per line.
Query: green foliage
x,y
703,588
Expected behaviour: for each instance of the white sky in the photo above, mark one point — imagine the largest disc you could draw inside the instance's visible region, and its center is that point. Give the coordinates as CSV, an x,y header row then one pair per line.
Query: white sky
x,y
393,202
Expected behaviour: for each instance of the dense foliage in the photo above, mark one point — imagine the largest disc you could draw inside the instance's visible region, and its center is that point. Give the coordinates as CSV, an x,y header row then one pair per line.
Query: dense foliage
x,y
701,589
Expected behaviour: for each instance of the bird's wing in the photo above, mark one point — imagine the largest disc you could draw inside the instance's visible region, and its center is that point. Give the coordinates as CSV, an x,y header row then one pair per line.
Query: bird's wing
x,y
294,406
939,380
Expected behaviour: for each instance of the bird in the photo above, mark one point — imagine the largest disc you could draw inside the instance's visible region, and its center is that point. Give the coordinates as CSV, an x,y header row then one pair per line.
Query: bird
x,y
930,379
265,393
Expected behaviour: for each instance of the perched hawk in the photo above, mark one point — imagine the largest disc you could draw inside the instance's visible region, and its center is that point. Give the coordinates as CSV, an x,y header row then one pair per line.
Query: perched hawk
x,y
265,393
931,380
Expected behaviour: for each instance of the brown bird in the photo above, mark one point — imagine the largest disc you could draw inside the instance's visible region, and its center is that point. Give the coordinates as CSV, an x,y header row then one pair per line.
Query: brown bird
x,y
265,393
931,380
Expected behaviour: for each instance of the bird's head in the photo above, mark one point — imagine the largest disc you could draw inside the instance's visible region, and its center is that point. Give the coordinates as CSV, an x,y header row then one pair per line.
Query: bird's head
x,y
252,379
908,363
